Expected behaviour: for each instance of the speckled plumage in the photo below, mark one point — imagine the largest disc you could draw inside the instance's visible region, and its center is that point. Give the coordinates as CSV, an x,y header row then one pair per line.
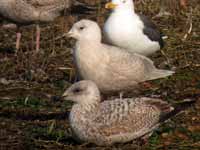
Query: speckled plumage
x,y
111,68
31,11
24,12
113,121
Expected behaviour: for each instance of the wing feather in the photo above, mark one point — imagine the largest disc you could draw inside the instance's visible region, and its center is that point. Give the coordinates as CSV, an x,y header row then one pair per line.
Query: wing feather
x,y
128,116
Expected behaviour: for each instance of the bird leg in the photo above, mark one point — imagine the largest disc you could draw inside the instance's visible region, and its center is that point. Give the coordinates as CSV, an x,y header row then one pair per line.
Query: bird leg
x,y
121,95
18,40
18,33
183,3
37,38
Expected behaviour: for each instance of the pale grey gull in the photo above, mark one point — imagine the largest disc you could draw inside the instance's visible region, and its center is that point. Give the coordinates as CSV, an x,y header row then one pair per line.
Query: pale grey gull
x,y
111,68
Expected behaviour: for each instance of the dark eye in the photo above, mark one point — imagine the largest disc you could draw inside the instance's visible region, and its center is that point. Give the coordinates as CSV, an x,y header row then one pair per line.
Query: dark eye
x,y
81,28
77,90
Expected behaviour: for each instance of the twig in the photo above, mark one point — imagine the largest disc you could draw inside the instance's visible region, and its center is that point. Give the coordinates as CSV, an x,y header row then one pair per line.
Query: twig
x,y
190,28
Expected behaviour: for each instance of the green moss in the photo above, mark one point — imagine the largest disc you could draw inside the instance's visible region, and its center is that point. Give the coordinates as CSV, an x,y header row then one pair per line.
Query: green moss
x,y
28,102
44,133
154,141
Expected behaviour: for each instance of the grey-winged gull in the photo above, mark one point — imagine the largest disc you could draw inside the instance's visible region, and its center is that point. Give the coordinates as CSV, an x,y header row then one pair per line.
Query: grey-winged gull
x,y
111,68
24,12
118,120
127,29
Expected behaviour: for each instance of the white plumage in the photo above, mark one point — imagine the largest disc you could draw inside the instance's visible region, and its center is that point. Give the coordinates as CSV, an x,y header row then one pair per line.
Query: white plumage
x,y
136,33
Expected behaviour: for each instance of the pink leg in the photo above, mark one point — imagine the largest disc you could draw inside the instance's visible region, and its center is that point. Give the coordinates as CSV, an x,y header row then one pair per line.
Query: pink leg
x,y
183,3
18,40
37,38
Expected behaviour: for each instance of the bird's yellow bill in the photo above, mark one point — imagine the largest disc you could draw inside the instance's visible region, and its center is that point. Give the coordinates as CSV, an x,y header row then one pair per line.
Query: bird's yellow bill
x,y
110,5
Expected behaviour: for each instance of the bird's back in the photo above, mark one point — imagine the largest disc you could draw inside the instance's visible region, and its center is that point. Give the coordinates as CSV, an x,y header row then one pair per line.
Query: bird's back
x,y
115,69
29,11
132,66
124,120
135,33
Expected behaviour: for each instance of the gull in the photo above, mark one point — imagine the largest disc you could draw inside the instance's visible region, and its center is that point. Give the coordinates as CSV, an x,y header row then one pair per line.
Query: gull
x,y
127,29
113,69
25,12
118,120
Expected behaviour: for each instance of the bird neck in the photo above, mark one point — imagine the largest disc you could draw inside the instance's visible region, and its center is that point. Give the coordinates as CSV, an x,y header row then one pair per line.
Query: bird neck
x,y
88,47
82,113
91,102
125,9
89,42
87,107
90,107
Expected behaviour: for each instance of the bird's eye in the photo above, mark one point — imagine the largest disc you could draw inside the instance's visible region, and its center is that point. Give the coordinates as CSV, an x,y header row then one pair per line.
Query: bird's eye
x,y
81,28
77,90
123,1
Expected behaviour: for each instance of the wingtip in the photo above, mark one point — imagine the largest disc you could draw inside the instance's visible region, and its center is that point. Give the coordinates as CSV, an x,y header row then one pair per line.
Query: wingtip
x,y
86,10
178,108
159,73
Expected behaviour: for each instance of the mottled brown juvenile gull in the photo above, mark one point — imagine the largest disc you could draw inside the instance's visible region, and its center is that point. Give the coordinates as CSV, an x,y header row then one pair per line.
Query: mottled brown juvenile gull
x,y
115,121
111,68
25,12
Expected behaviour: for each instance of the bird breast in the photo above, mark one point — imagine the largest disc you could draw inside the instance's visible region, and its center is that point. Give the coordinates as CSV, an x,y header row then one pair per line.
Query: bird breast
x,y
89,61
126,31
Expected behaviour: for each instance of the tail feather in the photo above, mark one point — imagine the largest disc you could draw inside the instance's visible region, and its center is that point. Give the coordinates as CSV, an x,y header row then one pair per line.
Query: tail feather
x,y
177,109
159,73
82,8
